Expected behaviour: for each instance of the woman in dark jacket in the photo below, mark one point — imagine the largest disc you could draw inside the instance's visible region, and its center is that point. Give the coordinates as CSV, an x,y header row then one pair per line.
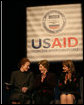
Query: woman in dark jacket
x,y
44,84
22,83
68,83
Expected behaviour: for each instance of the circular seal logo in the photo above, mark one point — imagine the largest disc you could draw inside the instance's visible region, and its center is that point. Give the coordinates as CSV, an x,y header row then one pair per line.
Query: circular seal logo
x,y
54,21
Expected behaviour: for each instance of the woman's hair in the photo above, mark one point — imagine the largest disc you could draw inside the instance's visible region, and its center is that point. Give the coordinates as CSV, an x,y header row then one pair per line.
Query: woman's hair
x,y
23,61
70,65
44,63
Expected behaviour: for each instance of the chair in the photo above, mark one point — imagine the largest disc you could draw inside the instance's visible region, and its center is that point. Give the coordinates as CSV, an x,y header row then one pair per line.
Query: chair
x,y
80,101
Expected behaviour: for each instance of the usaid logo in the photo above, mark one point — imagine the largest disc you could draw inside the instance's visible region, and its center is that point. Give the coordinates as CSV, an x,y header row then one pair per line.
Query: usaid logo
x,y
54,21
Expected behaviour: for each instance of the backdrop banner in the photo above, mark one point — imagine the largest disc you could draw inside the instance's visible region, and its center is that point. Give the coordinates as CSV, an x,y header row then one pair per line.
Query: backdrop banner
x,y
54,32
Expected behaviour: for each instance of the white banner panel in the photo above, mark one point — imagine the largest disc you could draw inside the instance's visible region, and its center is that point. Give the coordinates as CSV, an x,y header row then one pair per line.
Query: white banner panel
x,y
54,32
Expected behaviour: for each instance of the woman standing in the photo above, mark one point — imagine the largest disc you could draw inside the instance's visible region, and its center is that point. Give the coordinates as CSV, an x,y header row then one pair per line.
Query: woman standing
x,y
68,83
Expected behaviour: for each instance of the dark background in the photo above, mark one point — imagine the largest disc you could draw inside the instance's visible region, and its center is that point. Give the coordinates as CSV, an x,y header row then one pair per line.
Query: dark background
x,y
14,35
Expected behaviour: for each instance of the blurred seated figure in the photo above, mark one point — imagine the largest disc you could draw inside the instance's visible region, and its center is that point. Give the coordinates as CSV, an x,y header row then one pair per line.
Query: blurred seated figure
x,y
69,83
21,83
44,84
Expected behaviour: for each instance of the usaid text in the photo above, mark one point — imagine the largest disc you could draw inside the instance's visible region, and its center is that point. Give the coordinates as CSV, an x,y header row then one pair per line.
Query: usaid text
x,y
56,43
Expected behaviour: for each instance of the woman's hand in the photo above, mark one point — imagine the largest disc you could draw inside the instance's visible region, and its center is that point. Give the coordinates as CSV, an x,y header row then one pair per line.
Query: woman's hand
x,y
7,88
66,78
69,76
43,77
24,89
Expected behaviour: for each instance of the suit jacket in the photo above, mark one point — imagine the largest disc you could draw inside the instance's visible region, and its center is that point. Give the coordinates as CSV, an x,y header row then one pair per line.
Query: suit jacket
x,y
22,79
48,85
71,86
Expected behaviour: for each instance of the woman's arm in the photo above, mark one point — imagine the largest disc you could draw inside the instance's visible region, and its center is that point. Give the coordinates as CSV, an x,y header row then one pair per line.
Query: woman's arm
x,y
12,79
